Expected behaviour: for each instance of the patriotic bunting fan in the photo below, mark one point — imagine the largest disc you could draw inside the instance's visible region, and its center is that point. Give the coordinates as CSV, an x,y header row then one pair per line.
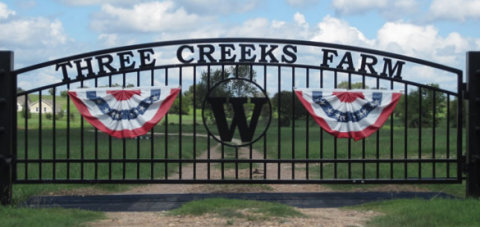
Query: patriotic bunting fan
x,y
124,113
349,113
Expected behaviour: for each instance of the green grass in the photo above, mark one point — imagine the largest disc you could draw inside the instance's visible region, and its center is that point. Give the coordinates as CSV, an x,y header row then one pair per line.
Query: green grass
x,y
232,208
46,217
418,212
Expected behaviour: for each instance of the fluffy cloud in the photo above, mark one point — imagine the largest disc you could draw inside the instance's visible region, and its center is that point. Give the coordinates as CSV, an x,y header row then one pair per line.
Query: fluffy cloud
x,y
357,6
422,42
220,6
388,8
32,32
334,30
144,17
455,10
5,12
302,3
96,2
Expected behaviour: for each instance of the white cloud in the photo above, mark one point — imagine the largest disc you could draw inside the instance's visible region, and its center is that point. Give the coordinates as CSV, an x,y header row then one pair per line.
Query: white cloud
x,y
334,30
357,6
218,6
108,40
387,8
32,32
96,2
5,12
421,41
478,43
144,17
302,3
455,10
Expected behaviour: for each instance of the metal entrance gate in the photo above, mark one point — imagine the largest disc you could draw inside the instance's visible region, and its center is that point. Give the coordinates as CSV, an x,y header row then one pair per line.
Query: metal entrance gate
x,y
420,143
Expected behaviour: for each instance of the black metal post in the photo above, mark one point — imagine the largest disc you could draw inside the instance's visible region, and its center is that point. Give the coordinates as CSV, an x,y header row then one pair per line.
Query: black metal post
x,y
8,115
473,136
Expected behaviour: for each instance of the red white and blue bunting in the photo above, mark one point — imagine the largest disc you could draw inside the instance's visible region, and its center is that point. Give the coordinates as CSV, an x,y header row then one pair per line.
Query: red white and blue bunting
x,y
349,113
124,113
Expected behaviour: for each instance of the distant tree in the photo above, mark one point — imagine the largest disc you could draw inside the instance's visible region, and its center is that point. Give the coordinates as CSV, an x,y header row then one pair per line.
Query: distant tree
x,y
177,109
64,94
236,88
344,84
286,107
51,91
26,113
453,117
19,90
427,99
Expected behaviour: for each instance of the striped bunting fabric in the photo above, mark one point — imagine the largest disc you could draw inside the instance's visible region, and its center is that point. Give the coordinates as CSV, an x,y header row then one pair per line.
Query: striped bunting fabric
x,y
349,113
124,113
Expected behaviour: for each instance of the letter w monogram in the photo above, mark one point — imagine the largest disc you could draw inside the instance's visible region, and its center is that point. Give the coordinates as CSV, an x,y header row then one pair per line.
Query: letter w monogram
x,y
239,119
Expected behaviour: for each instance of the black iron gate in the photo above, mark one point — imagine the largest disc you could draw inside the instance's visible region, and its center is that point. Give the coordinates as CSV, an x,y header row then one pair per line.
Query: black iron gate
x,y
420,143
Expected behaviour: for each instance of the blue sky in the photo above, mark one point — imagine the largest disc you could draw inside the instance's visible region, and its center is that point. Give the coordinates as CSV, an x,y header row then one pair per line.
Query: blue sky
x,y
437,30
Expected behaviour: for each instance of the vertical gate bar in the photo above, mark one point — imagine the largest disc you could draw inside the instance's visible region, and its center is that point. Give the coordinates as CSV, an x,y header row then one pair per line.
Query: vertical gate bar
x,y
293,122
419,132
265,135
110,152
124,141
8,119
26,136
307,140
335,83
68,134
460,120
391,136
40,148
349,148
236,163
138,137
166,132
194,122
279,151
236,148
321,132
208,136
180,125
81,143
250,145
96,141
363,140
152,134
54,142
223,146
405,135
473,150
448,135
433,133
377,143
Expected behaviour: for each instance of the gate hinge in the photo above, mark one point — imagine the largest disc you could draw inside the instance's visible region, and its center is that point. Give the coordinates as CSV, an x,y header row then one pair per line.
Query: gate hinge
x,y
465,90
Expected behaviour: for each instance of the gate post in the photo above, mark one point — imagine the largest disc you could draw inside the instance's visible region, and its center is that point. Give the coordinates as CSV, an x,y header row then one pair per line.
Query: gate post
x,y
8,124
473,133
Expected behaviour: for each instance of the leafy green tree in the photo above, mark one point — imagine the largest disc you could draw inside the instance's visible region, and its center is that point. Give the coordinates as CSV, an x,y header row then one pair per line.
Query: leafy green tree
x,y
344,84
63,94
237,88
427,107
26,113
51,91
177,109
286,107
454,113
